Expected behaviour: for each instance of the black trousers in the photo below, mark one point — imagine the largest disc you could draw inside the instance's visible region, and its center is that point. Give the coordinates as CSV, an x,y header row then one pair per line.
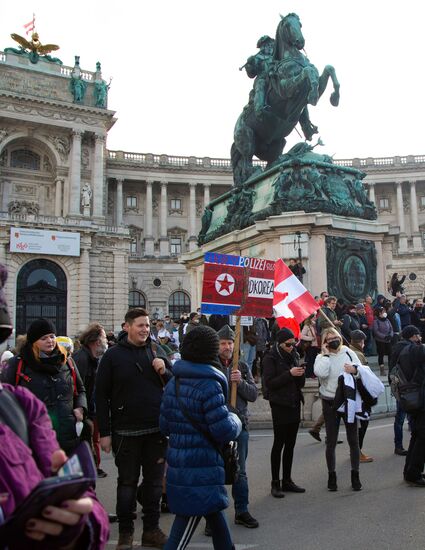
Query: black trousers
x,y
332,429
132,454
285,437
415,458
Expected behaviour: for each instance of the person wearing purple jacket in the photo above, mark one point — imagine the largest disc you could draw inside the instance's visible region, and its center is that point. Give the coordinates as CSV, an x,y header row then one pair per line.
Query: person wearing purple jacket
x,y
83,524
383,333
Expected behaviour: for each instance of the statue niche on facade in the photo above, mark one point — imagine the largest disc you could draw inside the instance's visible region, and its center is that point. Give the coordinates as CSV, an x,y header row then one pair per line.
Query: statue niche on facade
x,y
290,83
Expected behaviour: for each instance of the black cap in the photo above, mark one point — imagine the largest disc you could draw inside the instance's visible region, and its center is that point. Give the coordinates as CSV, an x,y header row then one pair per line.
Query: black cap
x,y
357,336
283,335
409,331
39,328
200,345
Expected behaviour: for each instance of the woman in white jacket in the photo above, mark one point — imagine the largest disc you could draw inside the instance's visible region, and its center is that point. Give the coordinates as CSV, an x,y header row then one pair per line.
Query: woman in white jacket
x,y
334,360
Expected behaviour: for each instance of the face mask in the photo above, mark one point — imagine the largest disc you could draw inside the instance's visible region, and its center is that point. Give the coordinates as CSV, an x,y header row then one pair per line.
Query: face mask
x,y
334,344
383,315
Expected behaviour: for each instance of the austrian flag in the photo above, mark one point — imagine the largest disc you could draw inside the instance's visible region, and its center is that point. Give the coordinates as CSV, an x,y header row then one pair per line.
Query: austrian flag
x,y
292,302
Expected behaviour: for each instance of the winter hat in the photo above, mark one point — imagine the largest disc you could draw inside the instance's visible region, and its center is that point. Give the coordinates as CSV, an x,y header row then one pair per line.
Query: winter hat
x,y
357,336
66,342
283,335
168,350
39,328
360,306
226,333
410,331
200,345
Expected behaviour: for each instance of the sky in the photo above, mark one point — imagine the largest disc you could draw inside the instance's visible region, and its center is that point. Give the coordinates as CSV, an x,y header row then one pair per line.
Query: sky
x,y
177,90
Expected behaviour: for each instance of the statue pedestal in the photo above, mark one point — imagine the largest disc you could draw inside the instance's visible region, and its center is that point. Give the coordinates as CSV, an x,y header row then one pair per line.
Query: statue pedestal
x,y
164,247
149,247
86,211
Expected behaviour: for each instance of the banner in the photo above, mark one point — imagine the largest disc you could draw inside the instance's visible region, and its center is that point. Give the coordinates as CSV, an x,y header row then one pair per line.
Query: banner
x,y
237,285
41,241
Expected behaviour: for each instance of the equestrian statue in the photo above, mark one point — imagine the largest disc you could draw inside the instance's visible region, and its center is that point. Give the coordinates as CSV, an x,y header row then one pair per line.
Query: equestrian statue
x,y
285,84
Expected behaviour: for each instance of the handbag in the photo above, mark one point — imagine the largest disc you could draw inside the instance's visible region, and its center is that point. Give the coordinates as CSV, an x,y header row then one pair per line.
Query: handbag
x,y
228,452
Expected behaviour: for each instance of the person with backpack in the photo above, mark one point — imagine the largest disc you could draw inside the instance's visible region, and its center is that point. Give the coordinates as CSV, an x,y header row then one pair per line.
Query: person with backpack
x,y
412,364
409,335
44,368
284,378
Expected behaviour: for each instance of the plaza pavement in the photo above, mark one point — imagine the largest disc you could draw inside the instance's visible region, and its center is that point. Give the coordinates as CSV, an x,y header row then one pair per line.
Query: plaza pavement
x,y
387,514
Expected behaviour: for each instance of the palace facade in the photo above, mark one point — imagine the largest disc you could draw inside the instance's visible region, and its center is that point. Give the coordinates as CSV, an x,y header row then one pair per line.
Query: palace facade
x,y
86,231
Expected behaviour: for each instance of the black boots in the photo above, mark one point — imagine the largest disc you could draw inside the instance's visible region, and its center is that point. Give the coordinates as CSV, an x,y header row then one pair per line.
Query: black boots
x,y
289,486
276,489
332,486
355,481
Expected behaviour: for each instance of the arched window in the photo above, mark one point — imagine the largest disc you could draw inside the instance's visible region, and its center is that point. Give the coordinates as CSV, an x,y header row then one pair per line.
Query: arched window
x,y
178,303
136,299
24,158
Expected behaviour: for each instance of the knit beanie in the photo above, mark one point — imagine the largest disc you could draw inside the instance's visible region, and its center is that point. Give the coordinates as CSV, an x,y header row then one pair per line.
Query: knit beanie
x,y
283,335
410,331
226,333
200,345
39,328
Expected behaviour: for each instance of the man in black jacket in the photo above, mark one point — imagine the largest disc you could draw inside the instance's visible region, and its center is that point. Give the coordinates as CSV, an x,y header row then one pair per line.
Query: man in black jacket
x,y
129,388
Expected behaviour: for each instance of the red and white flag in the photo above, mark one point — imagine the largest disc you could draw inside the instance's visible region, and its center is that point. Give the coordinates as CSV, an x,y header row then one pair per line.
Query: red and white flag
x,y
292,302
29,27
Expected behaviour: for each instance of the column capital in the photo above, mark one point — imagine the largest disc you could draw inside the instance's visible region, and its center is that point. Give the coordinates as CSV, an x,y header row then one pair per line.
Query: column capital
x,y
77,134
206,184
164,183
120,180
149,181
192,184
412,182
100,137
59,179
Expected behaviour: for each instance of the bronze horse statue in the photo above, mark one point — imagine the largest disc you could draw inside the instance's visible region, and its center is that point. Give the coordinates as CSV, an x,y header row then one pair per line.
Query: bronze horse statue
x,y
293,83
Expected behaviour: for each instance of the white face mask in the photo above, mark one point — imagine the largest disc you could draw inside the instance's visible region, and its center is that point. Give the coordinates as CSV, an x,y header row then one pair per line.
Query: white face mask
x,y
383,315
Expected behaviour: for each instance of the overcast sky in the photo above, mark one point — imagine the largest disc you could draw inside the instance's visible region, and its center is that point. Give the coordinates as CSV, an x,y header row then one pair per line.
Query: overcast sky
x,y
176,86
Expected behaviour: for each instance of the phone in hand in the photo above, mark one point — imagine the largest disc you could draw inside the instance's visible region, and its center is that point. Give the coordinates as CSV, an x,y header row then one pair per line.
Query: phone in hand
x,y
72,480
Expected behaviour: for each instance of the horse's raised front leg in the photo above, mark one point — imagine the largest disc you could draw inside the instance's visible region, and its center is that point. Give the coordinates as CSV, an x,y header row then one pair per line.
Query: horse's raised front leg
x,y
329,72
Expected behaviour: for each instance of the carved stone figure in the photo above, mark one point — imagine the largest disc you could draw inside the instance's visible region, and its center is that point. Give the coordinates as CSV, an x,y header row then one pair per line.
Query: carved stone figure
x,y
23,208
100,93
61,144
86,195
292,83
77,84
3,134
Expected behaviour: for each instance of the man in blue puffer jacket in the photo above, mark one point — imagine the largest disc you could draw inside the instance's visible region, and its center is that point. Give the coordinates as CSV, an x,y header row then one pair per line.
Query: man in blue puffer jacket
x,y
195,475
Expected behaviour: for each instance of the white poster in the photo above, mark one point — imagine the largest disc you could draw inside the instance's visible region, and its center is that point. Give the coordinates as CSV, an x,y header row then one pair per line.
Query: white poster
x,y
40,241
245,320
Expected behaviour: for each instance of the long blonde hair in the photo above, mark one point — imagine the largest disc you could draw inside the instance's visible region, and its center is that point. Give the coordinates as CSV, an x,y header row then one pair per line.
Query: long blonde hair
x,y
330,331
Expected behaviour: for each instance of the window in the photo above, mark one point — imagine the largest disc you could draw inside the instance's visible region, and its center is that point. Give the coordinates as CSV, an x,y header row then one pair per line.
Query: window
x,y
136,299
131,202
24,158
175,246
133,247
176,204
423,202
384,203
178,303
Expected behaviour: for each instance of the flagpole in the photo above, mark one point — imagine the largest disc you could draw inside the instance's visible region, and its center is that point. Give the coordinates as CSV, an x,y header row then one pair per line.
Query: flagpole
x,y
235,365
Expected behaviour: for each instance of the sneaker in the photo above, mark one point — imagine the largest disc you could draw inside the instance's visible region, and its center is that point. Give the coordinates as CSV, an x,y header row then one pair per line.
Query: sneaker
x,y
400,451
101,473
246,520
365,458
290,487
154,538
125,541
315,435
420,482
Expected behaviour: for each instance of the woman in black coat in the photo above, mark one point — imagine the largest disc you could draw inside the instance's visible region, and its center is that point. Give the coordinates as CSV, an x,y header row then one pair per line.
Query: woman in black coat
x,y
43,369
284,378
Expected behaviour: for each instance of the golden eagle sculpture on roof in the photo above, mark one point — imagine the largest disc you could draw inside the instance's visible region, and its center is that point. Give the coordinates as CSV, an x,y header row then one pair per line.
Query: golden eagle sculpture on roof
x,y
34,49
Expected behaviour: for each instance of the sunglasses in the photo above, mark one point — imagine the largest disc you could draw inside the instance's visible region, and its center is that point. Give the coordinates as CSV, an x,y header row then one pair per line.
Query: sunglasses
x,y
289,344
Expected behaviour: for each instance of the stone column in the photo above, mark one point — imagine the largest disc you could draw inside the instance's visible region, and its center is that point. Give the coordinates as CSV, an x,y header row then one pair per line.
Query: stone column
x,y
164,248
371,191
97,176
207,198
149,242
119,204
58,197
192,216
400,217
84,289
75,183
120,288
7,186
414,222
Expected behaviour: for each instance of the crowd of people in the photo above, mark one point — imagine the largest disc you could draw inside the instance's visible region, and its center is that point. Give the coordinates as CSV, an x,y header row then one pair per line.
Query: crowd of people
x,y
157,396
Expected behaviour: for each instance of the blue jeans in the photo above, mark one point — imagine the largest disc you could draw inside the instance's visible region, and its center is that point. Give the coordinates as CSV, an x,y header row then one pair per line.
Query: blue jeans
x,y
398,427
184,527
240,488
249,352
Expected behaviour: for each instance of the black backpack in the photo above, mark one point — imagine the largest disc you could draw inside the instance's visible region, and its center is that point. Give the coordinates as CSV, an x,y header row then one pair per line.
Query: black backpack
x,y
408,392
